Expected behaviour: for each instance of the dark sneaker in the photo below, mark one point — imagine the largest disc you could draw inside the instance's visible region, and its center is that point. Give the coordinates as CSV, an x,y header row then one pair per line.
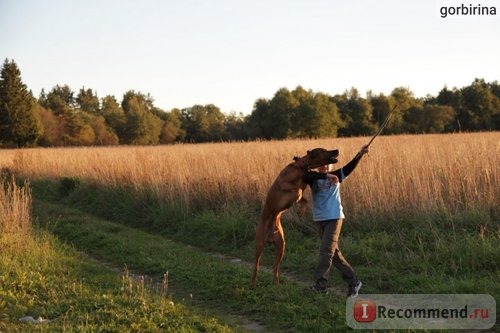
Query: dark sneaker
x,y
318,289
353,289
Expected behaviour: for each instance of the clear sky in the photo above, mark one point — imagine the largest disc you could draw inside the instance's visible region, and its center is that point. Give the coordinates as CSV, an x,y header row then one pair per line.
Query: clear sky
x,y
232,52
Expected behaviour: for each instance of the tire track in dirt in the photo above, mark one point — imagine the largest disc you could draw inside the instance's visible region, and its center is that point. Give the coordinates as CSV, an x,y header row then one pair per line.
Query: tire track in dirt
x,y
288,276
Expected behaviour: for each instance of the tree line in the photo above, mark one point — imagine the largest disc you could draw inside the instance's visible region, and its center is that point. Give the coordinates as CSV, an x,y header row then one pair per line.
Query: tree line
x,y
62,117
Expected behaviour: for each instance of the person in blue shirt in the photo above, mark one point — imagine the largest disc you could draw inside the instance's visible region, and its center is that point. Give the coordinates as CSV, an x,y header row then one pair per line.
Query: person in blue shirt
x,y
328,214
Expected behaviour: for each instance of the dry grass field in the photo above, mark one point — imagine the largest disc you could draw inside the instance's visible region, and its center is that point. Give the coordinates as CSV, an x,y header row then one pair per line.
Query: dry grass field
x,y
15,207
402,173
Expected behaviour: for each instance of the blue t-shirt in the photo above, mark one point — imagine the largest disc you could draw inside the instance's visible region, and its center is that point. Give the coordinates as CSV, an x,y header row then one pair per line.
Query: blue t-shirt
x,y
327,204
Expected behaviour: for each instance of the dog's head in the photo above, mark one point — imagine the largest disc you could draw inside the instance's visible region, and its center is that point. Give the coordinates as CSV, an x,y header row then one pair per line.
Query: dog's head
x,y
318,157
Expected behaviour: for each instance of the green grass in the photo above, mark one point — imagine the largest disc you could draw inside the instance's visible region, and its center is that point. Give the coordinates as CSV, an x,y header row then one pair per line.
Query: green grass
x,y
41,277
211,281
413,252
441,249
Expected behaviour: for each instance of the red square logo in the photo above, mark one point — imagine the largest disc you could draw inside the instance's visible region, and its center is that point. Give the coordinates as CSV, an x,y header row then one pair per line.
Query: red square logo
x,y
365,311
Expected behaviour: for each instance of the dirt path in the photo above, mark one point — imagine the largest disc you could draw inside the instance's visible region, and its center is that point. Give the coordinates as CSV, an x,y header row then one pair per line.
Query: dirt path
x,y
241,262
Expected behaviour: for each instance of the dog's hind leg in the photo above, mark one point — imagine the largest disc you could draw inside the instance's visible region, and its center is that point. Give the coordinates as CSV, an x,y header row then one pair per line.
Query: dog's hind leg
x,y
260,242
279,245
259,248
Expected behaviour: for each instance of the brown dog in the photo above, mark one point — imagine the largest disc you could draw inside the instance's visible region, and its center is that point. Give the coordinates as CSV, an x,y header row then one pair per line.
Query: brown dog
x,y
286,189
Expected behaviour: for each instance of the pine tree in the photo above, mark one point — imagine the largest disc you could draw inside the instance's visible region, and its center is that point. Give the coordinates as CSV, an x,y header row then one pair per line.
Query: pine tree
x,y
19,123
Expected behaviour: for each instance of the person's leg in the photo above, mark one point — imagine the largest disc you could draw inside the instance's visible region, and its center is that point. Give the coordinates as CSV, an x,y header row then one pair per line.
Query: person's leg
x,y
326,253
343,266
338,259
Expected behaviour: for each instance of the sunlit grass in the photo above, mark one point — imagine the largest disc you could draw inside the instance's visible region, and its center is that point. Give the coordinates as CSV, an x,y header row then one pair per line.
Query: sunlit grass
x,y
450,173
15,206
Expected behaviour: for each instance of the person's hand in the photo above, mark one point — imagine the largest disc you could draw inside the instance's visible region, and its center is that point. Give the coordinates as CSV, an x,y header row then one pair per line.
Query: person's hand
x,y
364,150
334,179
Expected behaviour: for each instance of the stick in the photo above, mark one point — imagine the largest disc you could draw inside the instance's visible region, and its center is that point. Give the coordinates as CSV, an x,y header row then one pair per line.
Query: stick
x,y
386,121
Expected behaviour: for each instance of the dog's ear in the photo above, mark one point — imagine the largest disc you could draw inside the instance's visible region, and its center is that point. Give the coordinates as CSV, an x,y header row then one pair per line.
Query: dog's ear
x,y
308,152
296,158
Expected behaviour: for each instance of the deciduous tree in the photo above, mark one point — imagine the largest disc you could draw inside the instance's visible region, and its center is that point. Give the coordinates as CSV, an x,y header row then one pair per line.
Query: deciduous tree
x,y
88,101
203,123
479,107
114,115
172,128
142,127
357,114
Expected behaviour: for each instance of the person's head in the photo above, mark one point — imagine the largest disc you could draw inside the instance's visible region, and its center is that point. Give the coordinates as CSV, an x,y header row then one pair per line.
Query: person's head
x,y
324,168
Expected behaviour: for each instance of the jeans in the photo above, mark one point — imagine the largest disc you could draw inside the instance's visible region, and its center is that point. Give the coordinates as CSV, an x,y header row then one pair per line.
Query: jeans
x,y
329,253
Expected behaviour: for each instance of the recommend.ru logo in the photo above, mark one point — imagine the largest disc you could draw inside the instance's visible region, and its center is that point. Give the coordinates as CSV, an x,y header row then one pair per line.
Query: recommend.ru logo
x,y
421,311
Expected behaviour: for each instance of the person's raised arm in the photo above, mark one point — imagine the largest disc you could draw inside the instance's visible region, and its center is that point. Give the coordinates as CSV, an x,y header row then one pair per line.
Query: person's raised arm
x,y
346,170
